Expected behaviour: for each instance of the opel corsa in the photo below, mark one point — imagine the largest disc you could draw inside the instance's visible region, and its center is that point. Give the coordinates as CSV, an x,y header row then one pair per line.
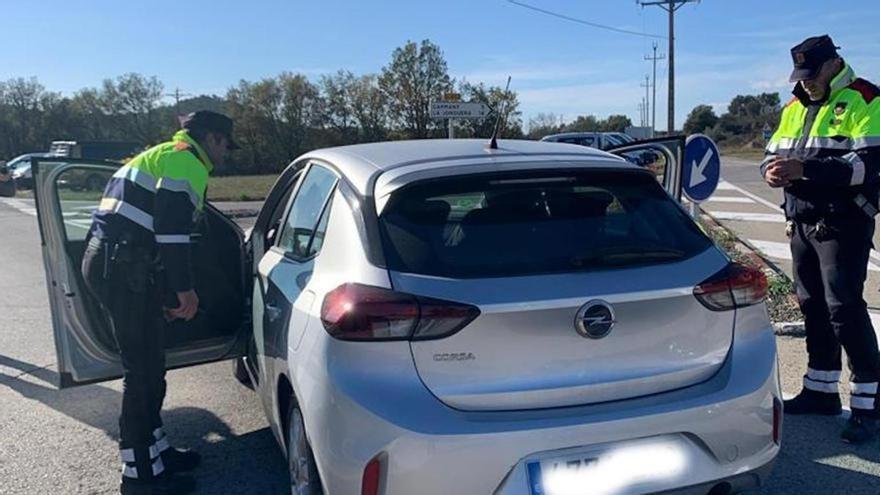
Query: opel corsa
x,y
439,317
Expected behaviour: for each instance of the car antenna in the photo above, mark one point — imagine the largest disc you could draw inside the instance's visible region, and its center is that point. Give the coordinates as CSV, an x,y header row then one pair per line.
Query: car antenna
x,y
493,143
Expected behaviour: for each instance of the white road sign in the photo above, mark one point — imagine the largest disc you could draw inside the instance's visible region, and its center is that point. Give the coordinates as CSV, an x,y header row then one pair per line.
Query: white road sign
x,y
458,110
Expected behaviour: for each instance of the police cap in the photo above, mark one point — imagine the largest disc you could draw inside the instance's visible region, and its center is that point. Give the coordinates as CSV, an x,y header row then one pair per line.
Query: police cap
x,y
208,121
809,55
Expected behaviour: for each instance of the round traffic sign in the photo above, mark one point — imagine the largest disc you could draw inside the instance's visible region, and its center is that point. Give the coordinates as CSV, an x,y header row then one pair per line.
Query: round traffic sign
x,y
701,170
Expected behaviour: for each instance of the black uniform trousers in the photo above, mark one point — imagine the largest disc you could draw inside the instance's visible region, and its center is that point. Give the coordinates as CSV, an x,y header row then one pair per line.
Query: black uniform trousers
x,y
830,268
122,278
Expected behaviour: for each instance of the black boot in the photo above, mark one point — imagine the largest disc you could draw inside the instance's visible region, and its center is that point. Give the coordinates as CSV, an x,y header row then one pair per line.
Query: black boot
x,y
859,429
812,402
180,460
164,484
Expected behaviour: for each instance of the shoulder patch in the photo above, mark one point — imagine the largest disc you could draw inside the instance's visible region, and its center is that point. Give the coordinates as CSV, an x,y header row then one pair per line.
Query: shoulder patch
x,y
182,146
867,89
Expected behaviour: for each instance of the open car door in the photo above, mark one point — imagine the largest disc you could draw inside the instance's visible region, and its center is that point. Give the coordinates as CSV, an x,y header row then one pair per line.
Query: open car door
x,y
664,156
66,194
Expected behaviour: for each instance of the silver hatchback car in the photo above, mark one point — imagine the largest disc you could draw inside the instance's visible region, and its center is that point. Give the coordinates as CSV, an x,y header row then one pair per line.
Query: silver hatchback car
x,y
436,317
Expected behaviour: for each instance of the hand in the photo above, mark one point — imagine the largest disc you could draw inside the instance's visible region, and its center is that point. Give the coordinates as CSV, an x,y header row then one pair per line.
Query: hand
x,y
189,305
774,176
789,168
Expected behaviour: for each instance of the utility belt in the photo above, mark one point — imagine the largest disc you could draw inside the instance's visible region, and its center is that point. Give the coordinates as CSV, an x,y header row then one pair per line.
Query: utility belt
x,y
135,260
820,230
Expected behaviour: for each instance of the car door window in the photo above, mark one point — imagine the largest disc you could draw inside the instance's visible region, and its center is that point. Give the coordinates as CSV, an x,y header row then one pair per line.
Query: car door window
x,y
78,197
305,212
278,215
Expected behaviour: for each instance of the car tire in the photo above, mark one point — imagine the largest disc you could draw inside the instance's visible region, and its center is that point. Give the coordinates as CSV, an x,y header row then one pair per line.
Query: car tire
x,y
301,466
239,371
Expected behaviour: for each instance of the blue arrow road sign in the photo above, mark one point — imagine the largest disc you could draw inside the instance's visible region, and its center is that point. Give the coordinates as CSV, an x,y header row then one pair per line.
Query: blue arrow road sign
x,y
701,169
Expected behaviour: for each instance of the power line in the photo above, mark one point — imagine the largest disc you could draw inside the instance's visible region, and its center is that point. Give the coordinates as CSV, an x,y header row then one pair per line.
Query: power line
x,y
584,22
177,95
647,86
669,6
654,58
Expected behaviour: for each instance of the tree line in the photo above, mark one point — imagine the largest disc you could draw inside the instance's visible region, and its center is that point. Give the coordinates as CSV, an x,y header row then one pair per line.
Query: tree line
x,y
276,118
281,117
742,125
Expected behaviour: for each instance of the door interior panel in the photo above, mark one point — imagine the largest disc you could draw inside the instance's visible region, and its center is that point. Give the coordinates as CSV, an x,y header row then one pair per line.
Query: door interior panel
x,y
216,258
219,283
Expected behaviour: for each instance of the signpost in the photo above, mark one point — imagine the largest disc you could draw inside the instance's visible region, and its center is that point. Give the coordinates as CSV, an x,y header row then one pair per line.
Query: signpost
x,y
701,170
453,110
458,110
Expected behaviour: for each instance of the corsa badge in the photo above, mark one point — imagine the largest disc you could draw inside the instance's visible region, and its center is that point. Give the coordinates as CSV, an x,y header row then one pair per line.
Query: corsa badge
x,y
840,108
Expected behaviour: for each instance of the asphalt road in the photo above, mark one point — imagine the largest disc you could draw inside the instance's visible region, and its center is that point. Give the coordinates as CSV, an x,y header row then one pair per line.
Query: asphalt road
x,y
64,441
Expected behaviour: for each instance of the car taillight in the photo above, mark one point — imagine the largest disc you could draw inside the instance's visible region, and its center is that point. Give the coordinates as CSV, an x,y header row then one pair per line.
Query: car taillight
x,y
372,477
735,286
363,312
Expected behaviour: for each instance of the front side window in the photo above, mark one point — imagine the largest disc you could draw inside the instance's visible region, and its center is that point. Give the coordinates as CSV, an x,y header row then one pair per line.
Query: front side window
x,y
526,223
305,212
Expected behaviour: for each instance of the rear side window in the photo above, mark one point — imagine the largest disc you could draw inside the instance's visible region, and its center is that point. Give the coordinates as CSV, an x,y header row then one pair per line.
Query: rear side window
x,y
513,224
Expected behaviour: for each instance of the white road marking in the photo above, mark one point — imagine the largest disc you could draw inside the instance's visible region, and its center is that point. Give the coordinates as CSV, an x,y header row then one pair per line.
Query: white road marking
x,y
729,199
778,250
730,187
748,217
781,251
21,206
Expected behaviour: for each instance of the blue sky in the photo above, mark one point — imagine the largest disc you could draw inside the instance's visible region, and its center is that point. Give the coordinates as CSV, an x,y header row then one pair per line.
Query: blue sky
x,y
723,47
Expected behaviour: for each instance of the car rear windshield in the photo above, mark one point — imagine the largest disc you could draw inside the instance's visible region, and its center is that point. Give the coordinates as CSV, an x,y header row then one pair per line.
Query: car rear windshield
x,y
527,223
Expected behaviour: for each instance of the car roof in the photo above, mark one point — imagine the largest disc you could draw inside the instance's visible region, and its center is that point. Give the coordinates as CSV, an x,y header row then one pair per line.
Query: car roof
x,y
361,163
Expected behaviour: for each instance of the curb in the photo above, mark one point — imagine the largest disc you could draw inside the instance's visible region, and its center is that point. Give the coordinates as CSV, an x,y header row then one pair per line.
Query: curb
x,y
240,213
785,328
790,329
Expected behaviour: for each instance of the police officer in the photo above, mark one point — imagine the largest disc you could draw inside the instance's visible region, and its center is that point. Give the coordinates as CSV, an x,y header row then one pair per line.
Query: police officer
x,y
826,155
139,241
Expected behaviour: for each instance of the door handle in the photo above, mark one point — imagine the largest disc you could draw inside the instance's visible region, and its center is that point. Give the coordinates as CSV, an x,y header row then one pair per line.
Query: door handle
x,y
272,312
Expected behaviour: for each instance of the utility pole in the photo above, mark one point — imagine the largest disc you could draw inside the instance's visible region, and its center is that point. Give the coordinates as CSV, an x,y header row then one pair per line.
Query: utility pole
x,y
647,86
177,95
670,6
654,58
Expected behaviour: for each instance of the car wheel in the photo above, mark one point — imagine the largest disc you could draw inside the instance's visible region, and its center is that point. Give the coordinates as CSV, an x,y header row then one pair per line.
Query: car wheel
x,y
304,479
239,371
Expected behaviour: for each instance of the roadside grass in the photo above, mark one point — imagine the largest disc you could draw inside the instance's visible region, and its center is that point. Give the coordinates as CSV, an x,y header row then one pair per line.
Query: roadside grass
x,y
743,153
781,301
240,187
232,188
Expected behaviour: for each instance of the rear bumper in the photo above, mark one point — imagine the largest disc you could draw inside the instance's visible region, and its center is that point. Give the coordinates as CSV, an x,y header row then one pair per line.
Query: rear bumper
x,y
428,448
736,484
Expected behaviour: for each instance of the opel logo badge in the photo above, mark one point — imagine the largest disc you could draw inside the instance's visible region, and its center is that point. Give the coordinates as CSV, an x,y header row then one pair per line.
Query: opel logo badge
x,y
594,320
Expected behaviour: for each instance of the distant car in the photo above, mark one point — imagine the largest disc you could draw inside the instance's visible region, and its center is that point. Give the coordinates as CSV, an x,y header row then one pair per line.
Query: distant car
x,y
435,317
598,140
622,136
604,141
20,167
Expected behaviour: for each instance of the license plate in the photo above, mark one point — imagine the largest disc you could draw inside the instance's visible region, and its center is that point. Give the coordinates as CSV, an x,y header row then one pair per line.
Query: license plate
x,y
636,466
538,471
